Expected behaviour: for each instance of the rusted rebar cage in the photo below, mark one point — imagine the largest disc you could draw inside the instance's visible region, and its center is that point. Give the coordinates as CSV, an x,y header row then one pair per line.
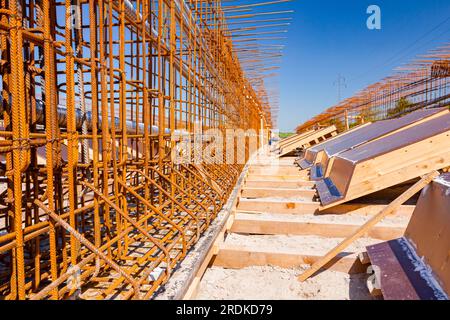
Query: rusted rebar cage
x,y
92,204
424,83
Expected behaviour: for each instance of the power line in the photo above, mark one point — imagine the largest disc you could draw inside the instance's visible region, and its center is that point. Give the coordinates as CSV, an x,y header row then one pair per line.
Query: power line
x,y
395,56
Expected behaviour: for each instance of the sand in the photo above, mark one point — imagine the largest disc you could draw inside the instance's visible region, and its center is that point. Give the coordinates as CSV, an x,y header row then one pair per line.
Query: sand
x,y
308,245
271,282
345,219
274,283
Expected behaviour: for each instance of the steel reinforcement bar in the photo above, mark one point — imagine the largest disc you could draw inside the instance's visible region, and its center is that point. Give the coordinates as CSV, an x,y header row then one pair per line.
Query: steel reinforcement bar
x,y
423,83
92,204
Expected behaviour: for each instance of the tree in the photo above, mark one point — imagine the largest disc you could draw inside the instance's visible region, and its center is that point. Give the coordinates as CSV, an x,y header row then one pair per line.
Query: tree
x,y
340,125
367,115
401,106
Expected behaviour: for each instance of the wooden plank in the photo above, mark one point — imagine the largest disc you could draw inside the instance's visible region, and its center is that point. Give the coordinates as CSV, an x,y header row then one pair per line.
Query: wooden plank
x,y
399,277
297,207
292,207
391,160
279,184
238,257
364,257
374,132
394,282
299,137
429,229
192,289
278,192
275,162
293,138
254,224
277,171
307,140
367,209
298,178
289,207
369,224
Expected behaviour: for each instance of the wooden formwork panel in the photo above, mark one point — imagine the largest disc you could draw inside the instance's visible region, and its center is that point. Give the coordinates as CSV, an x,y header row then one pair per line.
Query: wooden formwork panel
x,y
417,266
298,137
388,161
308,140
429,229
321,155
295,137
312,154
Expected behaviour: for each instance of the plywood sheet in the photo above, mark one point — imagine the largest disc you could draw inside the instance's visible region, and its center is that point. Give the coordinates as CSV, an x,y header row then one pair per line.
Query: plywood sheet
x,y
429,229
400,139
400,273
379,129
390,160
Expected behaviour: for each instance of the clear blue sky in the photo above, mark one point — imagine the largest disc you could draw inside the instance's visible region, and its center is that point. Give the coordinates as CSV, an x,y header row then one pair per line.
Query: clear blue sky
x,y
330,37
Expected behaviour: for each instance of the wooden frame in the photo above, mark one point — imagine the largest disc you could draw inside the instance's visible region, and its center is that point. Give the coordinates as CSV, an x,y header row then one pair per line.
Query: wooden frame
x,y
308,140
313,154
386,162
362,230
416,266
320,158
292,138
245,219
276,225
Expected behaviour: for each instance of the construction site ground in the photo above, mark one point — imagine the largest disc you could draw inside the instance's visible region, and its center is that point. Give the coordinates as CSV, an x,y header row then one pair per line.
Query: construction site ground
x,y
264,251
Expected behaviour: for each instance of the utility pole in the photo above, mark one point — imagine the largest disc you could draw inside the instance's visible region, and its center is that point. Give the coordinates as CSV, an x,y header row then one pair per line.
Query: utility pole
x,y
340,82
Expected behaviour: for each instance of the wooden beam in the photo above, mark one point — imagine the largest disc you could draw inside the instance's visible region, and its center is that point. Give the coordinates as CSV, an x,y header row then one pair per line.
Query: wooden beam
x,y
282,163
255,224
279,184
238,257
364,257
367,209
278,192
388,162
259,177
369,224
306,140
309,207
278,171
290,207
290,139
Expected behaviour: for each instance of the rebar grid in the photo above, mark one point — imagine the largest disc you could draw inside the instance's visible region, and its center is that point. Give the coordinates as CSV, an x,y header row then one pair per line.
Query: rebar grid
x,y
92,204
424,83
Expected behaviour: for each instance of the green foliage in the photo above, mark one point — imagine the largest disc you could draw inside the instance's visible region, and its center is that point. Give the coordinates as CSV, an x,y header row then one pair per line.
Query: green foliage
x,y
368,115
284,135
353,124
401,106
340,125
